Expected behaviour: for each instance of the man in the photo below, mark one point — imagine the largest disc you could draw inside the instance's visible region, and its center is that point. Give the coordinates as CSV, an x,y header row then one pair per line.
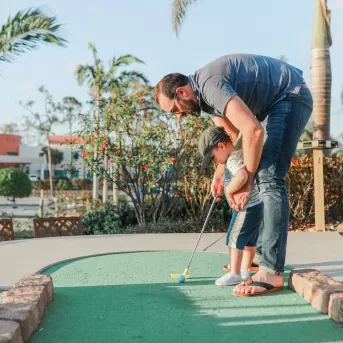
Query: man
x,y
239,91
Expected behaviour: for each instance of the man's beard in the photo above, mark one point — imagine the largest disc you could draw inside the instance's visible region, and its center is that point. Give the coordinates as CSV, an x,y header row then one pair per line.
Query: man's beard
x,y
190,107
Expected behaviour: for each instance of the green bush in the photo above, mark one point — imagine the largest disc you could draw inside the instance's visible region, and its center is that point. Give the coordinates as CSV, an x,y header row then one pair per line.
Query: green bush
x,y
108,219
63,185
81,184
121,219
14,183
301,190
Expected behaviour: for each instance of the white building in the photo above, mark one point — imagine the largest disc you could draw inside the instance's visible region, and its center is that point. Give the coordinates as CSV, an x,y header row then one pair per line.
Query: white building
x,y
38,165
60,143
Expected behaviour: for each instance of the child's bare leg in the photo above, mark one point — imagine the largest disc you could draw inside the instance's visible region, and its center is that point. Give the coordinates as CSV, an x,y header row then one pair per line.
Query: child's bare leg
x,y
248,256
236,256
234,276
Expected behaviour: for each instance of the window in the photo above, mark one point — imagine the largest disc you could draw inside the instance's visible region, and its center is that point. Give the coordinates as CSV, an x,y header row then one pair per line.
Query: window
x,y
12,154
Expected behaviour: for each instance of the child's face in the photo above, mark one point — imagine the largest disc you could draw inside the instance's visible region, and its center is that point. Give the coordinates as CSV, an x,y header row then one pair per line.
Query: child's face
x,y
221,153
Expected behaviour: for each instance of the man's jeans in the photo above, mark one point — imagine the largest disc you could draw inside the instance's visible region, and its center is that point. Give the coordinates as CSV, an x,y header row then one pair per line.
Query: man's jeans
x,y
284,124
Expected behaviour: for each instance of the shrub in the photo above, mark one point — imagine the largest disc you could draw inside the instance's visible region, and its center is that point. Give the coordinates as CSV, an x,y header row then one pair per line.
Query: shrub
x,y
63,185
81,184
108,219
14,183
121,219
301,189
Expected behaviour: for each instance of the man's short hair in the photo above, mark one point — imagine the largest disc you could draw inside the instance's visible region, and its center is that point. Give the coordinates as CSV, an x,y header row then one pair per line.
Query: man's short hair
x,y
168,85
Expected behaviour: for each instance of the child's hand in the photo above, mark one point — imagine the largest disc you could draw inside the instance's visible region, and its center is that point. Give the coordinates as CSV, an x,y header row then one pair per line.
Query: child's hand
x,y
217,187
241,197
232,203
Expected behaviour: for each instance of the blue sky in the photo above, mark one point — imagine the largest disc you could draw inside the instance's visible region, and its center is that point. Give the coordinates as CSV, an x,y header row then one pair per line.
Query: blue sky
x,y
143,28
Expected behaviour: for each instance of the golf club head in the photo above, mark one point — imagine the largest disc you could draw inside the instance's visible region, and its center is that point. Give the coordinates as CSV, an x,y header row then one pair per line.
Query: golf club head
x,y
175,276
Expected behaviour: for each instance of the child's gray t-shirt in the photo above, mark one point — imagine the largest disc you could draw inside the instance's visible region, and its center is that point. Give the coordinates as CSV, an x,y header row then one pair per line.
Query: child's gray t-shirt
x,y
233,164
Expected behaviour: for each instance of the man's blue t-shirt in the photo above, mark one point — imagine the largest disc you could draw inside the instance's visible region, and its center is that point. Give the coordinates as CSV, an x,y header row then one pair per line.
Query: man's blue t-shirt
x,y
259,81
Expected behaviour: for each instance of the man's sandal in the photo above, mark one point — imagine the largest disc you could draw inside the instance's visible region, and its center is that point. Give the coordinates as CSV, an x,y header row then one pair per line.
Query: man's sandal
x,y
269,288
254,267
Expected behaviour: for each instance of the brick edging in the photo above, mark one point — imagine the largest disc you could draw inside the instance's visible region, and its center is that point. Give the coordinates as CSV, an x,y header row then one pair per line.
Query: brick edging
x,y
320,290
22,307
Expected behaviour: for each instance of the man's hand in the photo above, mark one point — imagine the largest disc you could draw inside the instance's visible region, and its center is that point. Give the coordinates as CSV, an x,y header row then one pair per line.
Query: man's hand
x,y
239,200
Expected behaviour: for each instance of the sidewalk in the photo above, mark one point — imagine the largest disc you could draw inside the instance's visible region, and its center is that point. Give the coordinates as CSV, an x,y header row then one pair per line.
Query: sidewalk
x,y
322,251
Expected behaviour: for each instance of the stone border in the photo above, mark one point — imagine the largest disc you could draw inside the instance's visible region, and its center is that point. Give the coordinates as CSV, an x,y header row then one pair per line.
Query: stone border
x,y
22,307
320,290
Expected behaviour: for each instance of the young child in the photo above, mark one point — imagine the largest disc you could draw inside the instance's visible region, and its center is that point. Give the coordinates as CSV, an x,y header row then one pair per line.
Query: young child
x,y
242,234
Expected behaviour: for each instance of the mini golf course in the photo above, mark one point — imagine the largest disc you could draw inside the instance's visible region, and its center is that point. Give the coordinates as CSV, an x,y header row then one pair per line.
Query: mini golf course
x,y
131,298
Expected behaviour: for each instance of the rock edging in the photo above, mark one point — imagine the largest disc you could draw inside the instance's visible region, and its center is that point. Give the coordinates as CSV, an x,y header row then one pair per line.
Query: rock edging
x,y
22,307
320,290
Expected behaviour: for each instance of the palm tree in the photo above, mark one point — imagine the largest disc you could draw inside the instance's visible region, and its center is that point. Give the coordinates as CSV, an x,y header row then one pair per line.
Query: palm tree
x,y
26,31
102,82
321,91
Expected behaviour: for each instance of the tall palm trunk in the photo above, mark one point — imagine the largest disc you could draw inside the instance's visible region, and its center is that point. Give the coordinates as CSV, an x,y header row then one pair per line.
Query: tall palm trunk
x,y
115,187
50,170
95,177
321,71
115,176
321,92
70,147
105,185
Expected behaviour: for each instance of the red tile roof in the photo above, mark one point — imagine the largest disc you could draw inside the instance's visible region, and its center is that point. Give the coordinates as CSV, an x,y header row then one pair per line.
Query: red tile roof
x,y
64,139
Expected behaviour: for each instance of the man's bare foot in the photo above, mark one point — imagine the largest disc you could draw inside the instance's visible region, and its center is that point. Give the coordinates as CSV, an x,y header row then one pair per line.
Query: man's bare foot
x,y
276,281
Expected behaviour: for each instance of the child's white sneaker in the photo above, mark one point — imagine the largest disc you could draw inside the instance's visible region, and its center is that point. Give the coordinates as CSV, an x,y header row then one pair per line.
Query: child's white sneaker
x,y
229,279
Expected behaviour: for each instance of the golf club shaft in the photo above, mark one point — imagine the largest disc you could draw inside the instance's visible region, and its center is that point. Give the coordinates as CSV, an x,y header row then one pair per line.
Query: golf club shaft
x,y
203,228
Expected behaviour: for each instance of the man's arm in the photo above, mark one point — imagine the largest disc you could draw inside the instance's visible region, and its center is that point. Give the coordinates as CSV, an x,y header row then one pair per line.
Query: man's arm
x,y
237,182
230,129
252,132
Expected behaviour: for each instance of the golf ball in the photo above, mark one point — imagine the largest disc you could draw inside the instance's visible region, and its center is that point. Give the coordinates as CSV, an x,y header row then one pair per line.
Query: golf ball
x,y
181,279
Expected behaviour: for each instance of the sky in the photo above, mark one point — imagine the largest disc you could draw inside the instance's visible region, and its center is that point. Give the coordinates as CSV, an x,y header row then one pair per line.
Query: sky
x,y
143,28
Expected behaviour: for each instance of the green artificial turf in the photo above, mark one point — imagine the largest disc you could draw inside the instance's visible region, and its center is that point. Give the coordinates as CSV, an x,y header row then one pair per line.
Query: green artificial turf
x,y
132,298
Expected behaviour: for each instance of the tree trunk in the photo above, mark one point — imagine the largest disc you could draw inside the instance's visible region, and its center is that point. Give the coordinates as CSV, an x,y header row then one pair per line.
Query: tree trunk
x,y
71,146
321,71
105,185
115,176
95,177
115,186
321,92
50,170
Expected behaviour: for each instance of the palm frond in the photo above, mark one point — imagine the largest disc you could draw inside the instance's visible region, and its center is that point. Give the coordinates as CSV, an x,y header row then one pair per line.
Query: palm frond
x,y
179,13
26,31
131,76
83,73
125,60
92,47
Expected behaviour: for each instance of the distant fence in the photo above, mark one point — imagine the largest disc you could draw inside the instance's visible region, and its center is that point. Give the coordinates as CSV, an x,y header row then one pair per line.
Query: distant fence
x,y
6,230
57,226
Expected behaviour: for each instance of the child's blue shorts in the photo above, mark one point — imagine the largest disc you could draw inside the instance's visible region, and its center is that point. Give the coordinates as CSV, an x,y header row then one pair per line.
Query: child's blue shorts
x,y
244,227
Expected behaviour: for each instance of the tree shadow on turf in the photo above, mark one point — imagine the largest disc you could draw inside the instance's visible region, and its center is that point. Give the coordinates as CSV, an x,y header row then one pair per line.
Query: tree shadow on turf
x,y
167,312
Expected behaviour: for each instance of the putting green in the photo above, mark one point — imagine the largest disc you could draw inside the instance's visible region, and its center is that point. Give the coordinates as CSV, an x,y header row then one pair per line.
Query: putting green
x,y
131,298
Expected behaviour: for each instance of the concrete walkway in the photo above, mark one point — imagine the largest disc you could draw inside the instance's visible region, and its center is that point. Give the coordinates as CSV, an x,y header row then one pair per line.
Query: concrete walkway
x,y
322,251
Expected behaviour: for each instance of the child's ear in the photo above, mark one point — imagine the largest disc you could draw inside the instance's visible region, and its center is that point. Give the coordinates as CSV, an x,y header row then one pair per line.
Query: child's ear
x,y
220,145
